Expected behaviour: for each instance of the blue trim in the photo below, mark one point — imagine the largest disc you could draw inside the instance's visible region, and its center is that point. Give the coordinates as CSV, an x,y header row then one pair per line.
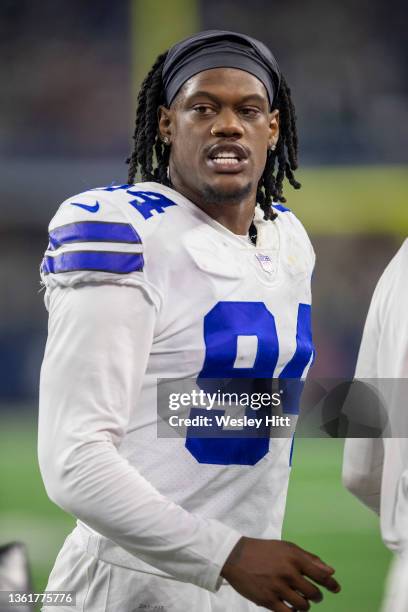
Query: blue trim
x,y
99,261
149,200
93,231
291,451
112,187
281,208
304,344
90,208
291,376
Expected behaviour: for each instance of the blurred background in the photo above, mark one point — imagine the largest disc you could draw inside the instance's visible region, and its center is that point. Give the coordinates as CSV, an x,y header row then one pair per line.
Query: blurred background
x,y
70,73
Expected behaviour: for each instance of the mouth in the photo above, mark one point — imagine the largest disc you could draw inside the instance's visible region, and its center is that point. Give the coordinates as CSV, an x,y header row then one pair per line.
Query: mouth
x,y
227,158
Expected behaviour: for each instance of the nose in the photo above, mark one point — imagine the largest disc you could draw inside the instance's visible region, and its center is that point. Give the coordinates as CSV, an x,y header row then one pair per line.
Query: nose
x,y
227,125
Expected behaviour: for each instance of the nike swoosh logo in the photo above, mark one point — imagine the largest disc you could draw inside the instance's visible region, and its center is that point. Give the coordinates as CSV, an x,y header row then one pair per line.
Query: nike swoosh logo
x,y
92,209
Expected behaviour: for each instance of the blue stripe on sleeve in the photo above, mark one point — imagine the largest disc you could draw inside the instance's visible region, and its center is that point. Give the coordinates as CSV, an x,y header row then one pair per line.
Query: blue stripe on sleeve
x,y
281,208
99,261
93,231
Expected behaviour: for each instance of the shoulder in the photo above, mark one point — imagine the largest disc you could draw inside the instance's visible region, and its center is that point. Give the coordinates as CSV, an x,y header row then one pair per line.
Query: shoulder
x,y
129,204
399,263
389,301
101,235
291,223
295,241
383,347
392,287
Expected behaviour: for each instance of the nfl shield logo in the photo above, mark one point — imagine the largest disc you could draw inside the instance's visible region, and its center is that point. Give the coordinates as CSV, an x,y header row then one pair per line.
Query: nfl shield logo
x,y
266,263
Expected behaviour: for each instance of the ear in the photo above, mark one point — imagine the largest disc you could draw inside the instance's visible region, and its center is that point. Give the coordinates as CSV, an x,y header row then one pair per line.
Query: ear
x,y
165,123
273,128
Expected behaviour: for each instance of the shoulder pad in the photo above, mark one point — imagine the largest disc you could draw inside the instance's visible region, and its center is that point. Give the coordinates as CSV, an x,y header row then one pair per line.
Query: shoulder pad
x,y
300,256
97,236
281,208
90,232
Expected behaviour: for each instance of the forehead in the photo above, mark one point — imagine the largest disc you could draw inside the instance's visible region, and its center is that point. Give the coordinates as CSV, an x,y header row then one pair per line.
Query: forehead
x,y
224,83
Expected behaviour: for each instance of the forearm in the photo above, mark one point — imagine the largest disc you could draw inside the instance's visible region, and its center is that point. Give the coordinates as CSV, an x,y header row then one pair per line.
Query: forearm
x,y
100,488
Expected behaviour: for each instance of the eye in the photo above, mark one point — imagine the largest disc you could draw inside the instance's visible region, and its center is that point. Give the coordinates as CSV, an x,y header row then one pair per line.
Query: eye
x,y
250,111
203,109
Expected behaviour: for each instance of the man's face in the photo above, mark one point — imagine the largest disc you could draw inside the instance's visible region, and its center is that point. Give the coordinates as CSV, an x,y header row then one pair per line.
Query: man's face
x,y
219,128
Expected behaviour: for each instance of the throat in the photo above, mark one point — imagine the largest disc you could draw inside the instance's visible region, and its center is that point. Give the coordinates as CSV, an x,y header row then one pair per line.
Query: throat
x,y
232,208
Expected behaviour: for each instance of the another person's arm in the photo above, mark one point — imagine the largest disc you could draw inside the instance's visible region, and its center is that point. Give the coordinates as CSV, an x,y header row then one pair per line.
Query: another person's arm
x,y
363,457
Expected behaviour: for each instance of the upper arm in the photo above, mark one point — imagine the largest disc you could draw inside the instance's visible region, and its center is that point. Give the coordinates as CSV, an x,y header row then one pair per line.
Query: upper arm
x,y
98,345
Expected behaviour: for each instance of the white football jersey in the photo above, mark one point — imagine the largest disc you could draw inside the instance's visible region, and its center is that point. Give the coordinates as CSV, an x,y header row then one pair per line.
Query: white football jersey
x,y
376,470
203,303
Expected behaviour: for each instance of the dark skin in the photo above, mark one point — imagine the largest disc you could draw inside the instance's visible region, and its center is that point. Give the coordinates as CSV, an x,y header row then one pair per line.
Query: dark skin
x,y
221,107
219,113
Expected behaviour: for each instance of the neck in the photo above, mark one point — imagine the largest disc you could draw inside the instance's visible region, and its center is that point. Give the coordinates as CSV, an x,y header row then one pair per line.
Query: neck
x,y
234,214
236,217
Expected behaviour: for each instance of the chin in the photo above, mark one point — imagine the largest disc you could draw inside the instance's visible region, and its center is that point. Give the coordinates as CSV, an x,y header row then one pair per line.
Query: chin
x,y
224,194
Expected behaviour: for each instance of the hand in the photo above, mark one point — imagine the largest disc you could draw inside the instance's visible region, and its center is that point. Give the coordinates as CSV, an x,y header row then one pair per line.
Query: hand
x,y
272,572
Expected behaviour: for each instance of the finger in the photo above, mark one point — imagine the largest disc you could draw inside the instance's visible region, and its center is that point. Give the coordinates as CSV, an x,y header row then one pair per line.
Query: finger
x,y
275,606
308,589
318,561
280,606
296,600
312,570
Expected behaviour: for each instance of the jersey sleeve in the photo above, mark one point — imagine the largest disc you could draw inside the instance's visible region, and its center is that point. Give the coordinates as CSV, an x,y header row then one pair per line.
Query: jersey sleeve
x,y
103,309
100,337
362,470
92,240
363,458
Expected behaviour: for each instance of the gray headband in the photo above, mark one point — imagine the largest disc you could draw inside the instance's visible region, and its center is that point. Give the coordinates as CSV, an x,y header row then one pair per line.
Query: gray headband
x,y
219,49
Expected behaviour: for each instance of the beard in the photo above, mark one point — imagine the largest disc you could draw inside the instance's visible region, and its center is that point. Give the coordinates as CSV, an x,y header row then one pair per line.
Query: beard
x,y
213,195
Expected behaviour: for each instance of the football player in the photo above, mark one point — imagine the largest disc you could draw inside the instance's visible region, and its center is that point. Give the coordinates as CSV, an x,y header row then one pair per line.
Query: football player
x,y
196,272
376,470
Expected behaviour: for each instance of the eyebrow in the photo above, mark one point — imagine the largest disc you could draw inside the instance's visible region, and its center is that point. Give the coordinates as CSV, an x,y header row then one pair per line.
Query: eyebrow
x,y
254,97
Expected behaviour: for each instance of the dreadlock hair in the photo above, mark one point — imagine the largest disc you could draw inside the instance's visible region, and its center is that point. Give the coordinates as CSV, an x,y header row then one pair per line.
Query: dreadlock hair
x,y
150,156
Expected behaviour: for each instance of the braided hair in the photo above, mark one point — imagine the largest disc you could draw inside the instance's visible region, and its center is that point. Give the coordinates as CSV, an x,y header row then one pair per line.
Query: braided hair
x,y
150,156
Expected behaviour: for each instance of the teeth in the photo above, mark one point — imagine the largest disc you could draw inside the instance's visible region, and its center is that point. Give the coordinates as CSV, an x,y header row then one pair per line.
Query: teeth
x,y
226,154
226,160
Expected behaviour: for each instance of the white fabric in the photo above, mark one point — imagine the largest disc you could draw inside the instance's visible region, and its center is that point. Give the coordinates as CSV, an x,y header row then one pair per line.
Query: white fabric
x,y
152,506
396,594
376,470
88,382
114,588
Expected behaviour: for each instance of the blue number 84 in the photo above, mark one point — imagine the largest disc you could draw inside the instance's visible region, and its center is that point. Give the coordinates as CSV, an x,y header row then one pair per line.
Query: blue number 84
x,y
222,327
